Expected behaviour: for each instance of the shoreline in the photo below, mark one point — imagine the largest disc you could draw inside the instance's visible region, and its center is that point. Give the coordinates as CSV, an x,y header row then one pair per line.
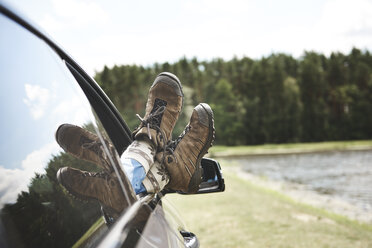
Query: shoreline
x,y
287,149
298,193
279,152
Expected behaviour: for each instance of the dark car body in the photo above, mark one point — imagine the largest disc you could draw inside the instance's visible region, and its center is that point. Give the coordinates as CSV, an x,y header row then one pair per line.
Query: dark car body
x,y
42,87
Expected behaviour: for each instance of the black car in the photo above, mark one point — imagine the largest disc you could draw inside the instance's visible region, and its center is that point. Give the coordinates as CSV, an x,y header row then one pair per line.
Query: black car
x,y
41,87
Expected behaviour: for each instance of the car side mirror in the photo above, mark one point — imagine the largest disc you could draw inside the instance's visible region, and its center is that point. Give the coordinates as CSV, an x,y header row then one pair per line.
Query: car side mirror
x,y
212,179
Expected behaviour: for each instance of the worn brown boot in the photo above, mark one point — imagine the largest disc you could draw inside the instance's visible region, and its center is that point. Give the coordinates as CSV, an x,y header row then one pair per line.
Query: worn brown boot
x,y
101,186
183,156
83,144
163,108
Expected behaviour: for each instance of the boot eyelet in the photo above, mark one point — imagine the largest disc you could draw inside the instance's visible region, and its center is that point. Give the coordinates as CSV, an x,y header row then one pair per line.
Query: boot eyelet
x,y
169,159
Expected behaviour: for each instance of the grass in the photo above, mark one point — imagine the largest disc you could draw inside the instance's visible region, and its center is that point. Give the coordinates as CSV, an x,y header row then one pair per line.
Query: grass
x,y
226,151
246,215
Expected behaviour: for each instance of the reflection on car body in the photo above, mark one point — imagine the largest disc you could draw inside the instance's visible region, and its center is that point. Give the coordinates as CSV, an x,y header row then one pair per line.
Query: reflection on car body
x,y
42,87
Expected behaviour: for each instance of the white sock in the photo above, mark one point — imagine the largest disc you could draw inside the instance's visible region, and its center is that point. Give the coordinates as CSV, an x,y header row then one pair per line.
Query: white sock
x,y
156,178
142,151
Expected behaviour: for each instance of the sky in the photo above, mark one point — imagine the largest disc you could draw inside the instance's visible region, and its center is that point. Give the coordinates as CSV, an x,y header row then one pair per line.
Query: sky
x,y
116,32
40,101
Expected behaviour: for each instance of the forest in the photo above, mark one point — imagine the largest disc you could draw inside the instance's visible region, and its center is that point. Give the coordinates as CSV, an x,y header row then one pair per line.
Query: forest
x,y
46,215
275,99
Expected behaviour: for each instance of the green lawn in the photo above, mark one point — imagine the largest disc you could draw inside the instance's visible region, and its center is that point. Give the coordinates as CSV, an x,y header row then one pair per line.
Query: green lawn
x,y
222,151
246,215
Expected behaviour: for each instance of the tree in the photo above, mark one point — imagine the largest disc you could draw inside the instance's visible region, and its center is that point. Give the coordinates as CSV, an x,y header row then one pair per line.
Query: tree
x,y
53,218
228,113
313,96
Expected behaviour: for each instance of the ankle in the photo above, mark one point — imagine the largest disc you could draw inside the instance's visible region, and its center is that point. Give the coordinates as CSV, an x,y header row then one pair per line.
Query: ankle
x,y
156,179
143,151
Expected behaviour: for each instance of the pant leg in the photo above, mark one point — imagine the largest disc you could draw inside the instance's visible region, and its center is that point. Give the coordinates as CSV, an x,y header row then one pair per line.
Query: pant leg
x,y
136,173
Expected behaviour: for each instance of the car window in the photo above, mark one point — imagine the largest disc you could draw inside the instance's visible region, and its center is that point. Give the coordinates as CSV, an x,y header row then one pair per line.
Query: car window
x,y
158,233
145,227
37,95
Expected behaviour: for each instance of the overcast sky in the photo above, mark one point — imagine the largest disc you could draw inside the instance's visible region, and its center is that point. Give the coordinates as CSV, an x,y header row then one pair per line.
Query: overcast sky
x,y
108,32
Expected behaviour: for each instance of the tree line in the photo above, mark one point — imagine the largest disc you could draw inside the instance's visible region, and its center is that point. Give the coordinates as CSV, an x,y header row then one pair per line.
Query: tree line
x,y
275,99
46,215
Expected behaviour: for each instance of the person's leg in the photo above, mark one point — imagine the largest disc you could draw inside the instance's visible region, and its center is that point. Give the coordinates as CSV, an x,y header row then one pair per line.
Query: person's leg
x,y
162,110
135,173
180,162
151,182
156,178
183,157
137,160
85,145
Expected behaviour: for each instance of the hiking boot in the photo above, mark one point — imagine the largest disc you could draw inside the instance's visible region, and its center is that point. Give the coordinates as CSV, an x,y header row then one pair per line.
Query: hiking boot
x,y
163,108
183,156
83,144
100,186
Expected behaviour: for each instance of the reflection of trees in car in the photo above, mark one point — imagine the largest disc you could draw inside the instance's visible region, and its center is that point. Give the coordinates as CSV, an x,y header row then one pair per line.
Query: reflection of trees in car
x,y
46,215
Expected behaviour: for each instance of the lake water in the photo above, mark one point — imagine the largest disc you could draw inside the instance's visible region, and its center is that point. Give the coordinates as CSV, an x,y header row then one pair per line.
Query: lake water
x,y
346,174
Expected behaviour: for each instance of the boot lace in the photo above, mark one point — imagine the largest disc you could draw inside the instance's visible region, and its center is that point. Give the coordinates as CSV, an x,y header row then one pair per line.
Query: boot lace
x,y
171,145
101,174
97,148
152,121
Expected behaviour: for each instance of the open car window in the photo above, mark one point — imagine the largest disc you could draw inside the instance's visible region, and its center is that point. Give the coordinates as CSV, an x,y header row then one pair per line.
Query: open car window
x,y
37,94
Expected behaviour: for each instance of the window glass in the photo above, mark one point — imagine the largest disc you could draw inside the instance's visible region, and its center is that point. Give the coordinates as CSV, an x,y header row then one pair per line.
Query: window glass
x,y
37,95
159,232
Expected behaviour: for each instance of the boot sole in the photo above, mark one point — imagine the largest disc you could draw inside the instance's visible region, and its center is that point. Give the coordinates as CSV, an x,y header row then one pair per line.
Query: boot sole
x,y
197,177
172,77
78,196
61,180
62,128
65,128
169,79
